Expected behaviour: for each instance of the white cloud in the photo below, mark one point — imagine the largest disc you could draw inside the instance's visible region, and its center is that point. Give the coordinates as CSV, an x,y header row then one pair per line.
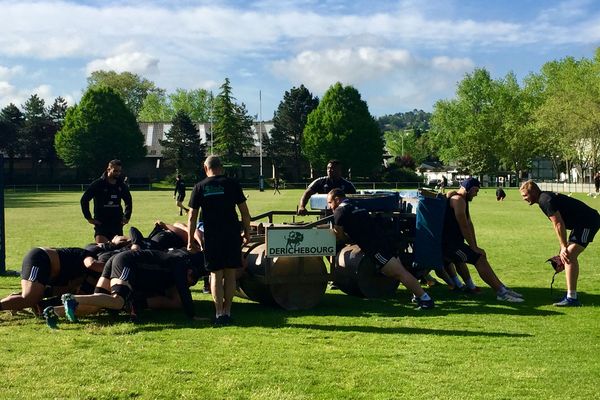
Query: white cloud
x,y
135,62
387,77
18,96
9,72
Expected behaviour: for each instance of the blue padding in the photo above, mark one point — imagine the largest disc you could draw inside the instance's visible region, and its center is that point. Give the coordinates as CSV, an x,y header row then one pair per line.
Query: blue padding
x,y
428,237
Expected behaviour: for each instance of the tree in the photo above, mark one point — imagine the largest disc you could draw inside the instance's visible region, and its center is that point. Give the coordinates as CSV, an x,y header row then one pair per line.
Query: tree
x,y
569,113
132,88
197,103
56,118
97,130
465,129
182,147
156,108
11,120
232,127
518,142
341,127
34,135
284,147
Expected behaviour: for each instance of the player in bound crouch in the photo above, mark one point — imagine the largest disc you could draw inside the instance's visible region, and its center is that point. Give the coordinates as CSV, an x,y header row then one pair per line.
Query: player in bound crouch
x,y
358,225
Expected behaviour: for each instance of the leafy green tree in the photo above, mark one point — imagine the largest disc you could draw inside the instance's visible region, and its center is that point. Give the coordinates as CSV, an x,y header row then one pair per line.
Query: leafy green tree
x,y
182,147
55,120
11,121
132,88
518,142
569,113
465,129
341,127
155,108
98,129
232,127
284,147
196,103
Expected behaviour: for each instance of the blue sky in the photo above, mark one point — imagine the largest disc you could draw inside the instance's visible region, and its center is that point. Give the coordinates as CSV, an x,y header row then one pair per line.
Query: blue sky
x,y
400,55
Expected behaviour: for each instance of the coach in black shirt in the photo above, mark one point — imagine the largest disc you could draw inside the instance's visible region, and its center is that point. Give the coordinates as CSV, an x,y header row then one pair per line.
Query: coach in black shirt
x,y
218,197
107,192
325,184
566,213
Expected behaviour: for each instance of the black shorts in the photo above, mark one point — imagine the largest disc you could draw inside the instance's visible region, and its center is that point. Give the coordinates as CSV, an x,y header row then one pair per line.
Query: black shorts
x,y
221,253
180,197
36,267
380,256
122,267
583,236
108,230
461,254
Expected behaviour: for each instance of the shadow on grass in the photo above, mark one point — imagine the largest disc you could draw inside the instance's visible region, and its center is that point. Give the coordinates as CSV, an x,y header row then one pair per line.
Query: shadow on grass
x,y
34,200
337,304
405,330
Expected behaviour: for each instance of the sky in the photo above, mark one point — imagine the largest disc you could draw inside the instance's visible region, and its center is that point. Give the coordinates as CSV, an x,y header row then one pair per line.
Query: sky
x,y
400,55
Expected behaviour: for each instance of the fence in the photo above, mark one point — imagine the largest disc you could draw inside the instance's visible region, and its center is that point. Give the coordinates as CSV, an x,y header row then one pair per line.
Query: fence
x,y
564,187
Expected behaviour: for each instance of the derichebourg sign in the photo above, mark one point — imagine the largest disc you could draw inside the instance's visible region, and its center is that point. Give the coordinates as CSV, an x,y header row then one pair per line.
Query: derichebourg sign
x,y
300,242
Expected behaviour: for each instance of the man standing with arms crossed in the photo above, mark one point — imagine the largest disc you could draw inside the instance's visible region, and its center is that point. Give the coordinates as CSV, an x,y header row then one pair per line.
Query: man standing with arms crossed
x,y
217,196
108,191
566,213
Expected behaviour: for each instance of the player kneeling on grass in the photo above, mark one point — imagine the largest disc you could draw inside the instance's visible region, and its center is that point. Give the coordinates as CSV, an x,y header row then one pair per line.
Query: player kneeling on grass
x,y
52,268
359,227
460,243
135,280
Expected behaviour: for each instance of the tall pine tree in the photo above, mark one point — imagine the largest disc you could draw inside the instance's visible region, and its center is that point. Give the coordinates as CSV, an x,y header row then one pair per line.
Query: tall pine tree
x,y
182,147
232,127
284,147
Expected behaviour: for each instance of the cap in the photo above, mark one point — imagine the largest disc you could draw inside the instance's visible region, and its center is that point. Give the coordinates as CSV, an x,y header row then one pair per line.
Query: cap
x,y
470,183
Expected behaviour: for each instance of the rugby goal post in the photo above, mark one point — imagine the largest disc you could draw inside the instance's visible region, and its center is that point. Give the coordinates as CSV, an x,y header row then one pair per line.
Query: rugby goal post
x,y
2,230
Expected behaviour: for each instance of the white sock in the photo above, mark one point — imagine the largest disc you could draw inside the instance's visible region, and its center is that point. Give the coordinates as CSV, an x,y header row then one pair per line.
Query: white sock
x,y
470,284
572,294
457,282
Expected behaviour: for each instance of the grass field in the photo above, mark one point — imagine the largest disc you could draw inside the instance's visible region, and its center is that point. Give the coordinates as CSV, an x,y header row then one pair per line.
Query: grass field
x,y
466,348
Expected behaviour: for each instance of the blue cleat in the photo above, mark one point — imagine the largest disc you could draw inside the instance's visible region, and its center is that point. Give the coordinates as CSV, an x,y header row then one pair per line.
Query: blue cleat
x,y
50,317
568,302
70,305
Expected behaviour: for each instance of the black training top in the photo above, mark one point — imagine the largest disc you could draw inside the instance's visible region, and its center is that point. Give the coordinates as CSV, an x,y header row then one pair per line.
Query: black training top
x,y
358,225
71,264
325,184
575,213
107,200
157,270
218,197
179,187
452,235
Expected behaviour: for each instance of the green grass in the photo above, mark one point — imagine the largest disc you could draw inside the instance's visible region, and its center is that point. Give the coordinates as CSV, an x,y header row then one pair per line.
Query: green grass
x,y
346,347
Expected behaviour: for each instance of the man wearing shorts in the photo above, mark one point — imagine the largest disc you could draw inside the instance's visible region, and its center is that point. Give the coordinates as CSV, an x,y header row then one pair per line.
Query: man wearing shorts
x,y
566,213
459,243
218,196
179,194
360,228
47,267
138,280
107,192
